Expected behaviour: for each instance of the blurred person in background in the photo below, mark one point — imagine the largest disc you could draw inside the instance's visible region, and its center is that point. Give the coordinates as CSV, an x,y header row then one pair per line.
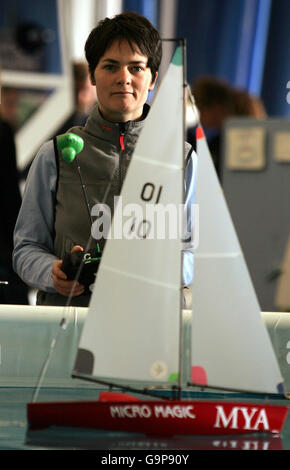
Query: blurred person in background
x,y
214,101
245,104
85,98
218,101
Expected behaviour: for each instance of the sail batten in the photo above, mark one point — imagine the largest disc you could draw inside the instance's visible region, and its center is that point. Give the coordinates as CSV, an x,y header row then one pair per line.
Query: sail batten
x,y
141,278
157,163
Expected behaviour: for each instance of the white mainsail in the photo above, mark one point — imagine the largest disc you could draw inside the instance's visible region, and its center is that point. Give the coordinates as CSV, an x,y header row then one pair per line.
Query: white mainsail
x,y
132,328
230,344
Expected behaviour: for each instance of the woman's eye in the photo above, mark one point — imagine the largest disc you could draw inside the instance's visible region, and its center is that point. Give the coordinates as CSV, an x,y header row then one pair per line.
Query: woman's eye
x,y
133,69
109,67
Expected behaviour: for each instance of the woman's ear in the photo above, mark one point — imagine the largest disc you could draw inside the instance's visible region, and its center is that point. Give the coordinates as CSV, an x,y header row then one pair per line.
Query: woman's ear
x,y
152,85
92,80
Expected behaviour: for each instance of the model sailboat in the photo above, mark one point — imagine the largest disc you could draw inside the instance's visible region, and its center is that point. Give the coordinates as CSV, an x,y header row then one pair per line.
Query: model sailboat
x,y
133,334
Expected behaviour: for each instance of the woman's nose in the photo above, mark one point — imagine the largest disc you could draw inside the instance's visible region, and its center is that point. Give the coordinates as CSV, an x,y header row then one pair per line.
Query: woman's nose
x,y
124,76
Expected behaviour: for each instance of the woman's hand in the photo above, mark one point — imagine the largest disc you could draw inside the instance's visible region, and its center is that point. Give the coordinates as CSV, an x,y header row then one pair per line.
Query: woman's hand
x,y
62,285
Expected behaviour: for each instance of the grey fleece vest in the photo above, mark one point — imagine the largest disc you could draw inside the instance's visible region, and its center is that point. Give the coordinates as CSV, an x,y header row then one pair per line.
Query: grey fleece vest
x,y
104,160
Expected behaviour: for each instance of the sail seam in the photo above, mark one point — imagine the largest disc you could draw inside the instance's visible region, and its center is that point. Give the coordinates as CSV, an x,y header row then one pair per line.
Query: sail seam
x,y
141,278
158,163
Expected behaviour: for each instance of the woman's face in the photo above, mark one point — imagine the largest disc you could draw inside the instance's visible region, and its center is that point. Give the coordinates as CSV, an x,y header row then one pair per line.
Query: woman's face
x,y
122,81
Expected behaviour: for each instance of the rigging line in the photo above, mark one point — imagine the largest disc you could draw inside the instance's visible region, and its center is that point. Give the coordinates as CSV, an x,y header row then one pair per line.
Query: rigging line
x,y
83,189
62,326
144,391
63,322
193,104
236,392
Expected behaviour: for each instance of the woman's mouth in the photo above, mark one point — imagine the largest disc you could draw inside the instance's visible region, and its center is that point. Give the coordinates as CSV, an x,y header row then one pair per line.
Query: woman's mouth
x,y
122,93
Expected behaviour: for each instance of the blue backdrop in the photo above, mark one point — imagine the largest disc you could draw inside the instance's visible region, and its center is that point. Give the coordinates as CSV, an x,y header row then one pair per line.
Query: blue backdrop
x,y
44,15
246,42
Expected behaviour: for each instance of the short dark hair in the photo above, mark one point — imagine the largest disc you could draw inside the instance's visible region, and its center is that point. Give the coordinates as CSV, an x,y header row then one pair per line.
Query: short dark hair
x,y
129,26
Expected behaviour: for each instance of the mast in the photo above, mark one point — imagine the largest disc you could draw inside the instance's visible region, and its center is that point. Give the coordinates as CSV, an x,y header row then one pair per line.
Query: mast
x,y
182,44
180,376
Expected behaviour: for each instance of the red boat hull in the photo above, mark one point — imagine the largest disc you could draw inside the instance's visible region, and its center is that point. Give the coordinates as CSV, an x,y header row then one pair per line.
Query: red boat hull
x,y
160,418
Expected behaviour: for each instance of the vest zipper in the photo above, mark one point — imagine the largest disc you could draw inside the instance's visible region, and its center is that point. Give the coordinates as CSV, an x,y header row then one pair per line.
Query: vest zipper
x,y
122,147
122,127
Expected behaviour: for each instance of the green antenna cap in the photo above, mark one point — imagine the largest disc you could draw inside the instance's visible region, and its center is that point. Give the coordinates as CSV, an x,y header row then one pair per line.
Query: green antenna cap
x,y
177,57
69,145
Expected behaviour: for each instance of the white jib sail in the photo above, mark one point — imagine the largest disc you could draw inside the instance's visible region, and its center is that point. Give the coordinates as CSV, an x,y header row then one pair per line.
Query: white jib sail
x,y
132,327
230,344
